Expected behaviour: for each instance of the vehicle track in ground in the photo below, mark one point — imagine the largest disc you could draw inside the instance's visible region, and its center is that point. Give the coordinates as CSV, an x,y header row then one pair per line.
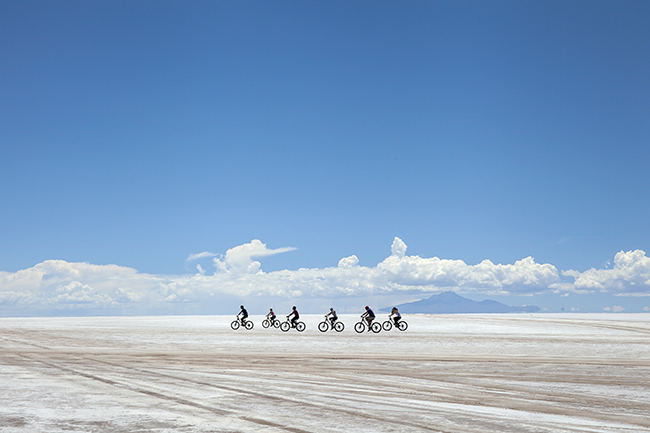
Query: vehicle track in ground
x,y
159,395
582,323
514,396
476,392
467,394
497,392
187,402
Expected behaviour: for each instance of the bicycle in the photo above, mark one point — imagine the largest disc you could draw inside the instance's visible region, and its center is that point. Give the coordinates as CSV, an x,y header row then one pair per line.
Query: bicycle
x,y
388,325
266,323
237,323
363,325
326,325
285,326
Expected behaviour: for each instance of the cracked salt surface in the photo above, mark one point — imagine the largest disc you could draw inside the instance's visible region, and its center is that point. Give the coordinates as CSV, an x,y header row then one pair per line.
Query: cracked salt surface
x,y
446,373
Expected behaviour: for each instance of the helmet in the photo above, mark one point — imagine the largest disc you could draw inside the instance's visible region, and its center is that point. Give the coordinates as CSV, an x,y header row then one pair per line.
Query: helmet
x,y
367,307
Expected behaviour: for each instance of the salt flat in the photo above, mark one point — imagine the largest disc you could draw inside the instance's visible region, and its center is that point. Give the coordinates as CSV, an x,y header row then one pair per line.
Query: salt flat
x,y
446,373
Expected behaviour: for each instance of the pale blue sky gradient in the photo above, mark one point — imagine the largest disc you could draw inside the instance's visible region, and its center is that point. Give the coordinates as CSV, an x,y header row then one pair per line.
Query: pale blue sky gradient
x,y
139,133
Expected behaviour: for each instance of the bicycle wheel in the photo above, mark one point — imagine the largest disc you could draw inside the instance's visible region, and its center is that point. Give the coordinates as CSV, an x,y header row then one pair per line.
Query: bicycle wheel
x,y
402,326
235,325
266,323
285,326
276,323
387,325
300,326
249,325
323,326
375,327
339,326
359,327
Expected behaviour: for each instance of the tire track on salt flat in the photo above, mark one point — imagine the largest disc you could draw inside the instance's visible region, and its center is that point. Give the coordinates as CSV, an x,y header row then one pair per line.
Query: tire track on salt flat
x,y
510,403
216,411
266,396
211,385
582,323
177,400
506,402
515,397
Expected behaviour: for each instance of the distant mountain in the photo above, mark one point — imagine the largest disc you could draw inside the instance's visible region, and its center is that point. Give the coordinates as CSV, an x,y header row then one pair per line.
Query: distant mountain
x,y
451,303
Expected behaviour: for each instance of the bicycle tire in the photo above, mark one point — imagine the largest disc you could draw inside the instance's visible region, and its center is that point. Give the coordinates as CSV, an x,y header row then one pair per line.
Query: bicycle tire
x,y
276,323
376,327
323,327
235,325
359,327
339,326
402,326
249,325
300,326
266,323
285,326
387,325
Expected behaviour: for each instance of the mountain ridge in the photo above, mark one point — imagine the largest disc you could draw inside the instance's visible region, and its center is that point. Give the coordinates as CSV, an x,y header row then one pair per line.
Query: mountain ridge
x,y
451,303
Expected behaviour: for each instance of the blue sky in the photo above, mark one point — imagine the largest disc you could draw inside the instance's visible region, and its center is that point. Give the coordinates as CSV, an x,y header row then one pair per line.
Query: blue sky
x,y
141,134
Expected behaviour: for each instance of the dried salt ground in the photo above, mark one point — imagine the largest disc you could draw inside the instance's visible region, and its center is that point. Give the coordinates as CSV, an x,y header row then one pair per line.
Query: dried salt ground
x,y
446,373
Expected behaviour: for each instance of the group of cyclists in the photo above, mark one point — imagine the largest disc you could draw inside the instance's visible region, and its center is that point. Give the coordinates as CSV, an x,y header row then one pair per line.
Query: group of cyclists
x,y
293,317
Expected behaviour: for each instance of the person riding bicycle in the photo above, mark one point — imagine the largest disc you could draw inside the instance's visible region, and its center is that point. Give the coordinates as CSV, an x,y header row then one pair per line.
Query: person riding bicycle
x,y
243,313
295,317
394,313
333,316
369,316
271,316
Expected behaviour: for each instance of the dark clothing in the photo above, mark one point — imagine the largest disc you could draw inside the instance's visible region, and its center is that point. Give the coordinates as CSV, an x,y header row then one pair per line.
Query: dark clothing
x,y
244,313
295,317
370,313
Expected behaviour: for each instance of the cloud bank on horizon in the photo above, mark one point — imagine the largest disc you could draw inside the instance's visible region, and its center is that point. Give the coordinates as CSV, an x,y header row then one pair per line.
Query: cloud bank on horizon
x,y
58,286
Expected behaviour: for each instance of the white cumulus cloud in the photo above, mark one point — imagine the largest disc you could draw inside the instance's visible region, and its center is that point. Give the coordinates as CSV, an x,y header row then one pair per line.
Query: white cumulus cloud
x,y
198,256
60,285
630,275
239,260
349,262
398,248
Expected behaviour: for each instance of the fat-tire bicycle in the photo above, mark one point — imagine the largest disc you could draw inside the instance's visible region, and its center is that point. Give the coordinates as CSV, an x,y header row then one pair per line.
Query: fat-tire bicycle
x,y
267,323
237,323
363,326
389,324
326,325
285,326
